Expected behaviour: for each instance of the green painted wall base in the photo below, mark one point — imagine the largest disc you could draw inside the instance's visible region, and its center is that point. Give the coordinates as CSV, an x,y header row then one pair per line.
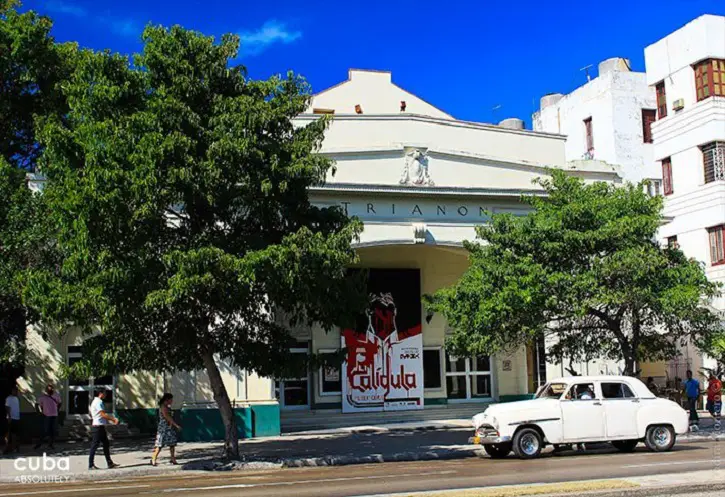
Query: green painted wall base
x,y
438,401
204,425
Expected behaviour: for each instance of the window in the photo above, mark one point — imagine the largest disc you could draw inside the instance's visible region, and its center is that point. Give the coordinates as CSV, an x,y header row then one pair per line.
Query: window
x,y
432,369
648,117
589,133
710,78
468,378
330,382
661,100
616,391
672,242
653,187
713,161
667,176
552,391
581,391
717,254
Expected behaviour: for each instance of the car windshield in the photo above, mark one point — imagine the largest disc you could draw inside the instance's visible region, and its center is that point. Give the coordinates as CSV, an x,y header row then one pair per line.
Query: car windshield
x,y
551,391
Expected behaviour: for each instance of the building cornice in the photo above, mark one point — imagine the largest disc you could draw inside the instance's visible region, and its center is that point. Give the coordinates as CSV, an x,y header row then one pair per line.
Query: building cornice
x,y
425,191
404,116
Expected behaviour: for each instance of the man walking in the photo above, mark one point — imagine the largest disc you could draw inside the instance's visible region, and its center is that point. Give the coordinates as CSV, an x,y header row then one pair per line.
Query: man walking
x,y
48,404
12,413
692,392
100,437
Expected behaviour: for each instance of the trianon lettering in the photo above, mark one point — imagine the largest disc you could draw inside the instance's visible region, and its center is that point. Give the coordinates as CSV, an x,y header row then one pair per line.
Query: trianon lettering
x,y
382,209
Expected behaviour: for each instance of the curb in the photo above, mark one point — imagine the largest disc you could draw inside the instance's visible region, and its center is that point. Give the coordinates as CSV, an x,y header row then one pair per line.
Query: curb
x,y
380,458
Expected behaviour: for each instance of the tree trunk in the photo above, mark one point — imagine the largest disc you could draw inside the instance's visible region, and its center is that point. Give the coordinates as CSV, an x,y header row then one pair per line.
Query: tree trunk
x,y
231,436
629,365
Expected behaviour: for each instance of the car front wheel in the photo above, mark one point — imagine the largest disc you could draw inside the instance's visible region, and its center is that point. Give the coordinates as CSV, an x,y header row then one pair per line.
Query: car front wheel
x,y
659,438
625,445
528,443
497,451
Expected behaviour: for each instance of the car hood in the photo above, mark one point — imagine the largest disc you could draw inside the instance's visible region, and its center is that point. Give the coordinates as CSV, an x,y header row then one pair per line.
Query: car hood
x,y
525,410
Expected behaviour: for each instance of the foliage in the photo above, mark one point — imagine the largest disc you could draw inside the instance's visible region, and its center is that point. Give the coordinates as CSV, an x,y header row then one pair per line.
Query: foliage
x,y
583,268
179,189
32,66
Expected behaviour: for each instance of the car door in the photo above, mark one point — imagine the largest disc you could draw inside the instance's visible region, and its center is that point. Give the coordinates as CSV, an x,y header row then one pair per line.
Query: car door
x,y
621,407
582,415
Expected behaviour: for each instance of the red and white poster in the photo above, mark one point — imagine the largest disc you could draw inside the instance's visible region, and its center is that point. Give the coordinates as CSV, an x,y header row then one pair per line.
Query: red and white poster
x,y
383,370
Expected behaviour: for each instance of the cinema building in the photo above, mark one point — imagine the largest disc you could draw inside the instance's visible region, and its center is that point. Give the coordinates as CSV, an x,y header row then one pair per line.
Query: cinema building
x,y
420,180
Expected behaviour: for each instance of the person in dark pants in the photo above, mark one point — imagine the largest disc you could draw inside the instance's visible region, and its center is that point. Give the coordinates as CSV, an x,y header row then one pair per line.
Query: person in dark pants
x,y
100,437
692,392
48,404
12,413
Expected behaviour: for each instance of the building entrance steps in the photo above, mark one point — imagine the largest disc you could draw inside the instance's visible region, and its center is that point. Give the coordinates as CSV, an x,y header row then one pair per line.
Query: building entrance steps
x,y
294,421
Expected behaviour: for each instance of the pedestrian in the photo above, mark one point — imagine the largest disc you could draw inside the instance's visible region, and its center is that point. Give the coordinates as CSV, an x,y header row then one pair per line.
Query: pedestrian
x,y
692,391
166,434
714,395
48,404
12,413
100,437
652,386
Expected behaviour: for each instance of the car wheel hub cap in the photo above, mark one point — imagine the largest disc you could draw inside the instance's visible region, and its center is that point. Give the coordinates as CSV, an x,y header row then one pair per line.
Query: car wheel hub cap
x,y
661,437
529,444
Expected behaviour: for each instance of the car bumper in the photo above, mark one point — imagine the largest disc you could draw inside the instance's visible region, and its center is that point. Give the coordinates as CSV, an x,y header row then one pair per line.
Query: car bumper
x,y
479,440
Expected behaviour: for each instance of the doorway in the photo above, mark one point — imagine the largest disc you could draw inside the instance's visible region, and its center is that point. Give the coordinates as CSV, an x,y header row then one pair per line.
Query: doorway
x,y
294,393
80,390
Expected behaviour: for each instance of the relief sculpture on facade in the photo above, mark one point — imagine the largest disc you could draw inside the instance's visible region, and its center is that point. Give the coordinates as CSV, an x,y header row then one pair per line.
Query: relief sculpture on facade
x,y
415,171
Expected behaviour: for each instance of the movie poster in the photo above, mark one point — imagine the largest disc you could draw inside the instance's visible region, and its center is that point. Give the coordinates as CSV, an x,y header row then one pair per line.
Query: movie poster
x,y
383,370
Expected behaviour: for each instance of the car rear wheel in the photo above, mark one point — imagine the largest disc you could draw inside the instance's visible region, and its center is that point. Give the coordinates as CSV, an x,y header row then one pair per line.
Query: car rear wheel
x,y
528,443
625,445
660,438
498,451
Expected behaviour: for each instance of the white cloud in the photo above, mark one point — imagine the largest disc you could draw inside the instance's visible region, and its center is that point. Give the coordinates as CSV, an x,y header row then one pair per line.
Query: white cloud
x,y
271,32
61,7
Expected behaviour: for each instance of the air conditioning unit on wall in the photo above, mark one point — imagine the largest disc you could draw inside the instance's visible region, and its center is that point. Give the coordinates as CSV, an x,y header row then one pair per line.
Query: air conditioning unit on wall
x,y
678,104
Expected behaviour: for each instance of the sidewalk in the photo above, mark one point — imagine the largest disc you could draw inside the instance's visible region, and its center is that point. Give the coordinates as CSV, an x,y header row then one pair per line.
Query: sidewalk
x,y
434,440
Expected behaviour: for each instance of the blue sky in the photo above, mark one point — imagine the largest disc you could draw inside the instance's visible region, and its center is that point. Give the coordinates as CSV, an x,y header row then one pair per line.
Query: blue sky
x,y
465,57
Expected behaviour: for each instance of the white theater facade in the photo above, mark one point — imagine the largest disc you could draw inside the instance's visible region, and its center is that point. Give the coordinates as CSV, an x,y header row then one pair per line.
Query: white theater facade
x,y
420,181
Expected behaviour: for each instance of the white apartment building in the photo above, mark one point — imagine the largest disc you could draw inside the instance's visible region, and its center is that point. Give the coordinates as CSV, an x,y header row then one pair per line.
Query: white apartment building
x,y
607,119
687,71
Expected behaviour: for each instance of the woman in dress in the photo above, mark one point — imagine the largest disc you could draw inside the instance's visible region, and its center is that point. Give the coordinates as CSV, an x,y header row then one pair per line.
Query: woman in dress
x,y
166,434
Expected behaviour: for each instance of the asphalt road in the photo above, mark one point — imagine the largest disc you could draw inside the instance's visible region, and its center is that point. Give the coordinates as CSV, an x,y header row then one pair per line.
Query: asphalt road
x,y
372,479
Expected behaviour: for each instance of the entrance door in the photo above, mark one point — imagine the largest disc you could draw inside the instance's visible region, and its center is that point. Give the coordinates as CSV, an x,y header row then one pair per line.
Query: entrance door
x,y
80,390
468,378
620,407
582,413
293,393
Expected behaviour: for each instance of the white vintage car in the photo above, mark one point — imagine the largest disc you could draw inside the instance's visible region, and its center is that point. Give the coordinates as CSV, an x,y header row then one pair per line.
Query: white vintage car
x,y
577,410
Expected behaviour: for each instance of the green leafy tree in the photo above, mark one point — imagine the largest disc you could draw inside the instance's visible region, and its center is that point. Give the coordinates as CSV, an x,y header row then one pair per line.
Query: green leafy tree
x,y
584,268
32,66
179,189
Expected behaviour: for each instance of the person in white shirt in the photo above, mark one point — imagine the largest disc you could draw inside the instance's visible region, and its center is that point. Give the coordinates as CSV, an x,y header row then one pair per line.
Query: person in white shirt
x,y
100,419
12,413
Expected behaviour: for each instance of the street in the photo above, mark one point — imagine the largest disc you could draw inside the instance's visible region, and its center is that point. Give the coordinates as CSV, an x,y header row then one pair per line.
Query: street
x,y
370,479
